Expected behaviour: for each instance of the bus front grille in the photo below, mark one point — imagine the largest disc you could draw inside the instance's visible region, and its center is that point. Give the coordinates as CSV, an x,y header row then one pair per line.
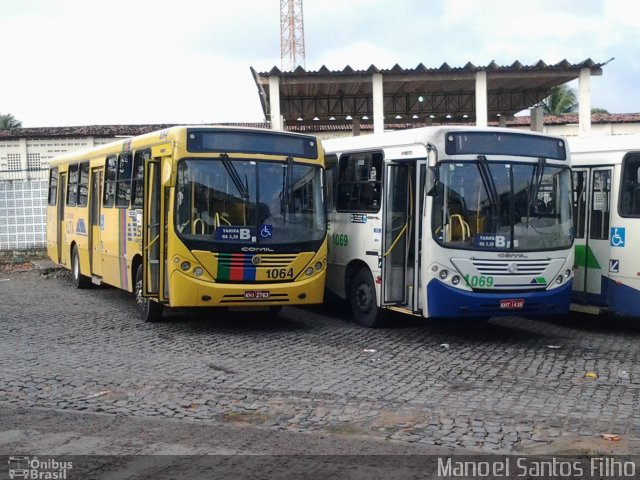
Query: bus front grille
x,y
511,267
248,260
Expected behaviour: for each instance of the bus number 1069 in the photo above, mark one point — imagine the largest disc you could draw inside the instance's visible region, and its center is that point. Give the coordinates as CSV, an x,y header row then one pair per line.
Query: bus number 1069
x,y
479,281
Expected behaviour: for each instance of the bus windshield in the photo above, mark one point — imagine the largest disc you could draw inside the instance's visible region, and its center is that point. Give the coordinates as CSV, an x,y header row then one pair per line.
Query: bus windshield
x,y
249,202
504,206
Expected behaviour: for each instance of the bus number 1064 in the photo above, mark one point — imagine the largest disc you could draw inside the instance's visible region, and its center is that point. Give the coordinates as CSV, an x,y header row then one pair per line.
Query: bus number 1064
x,y
279,273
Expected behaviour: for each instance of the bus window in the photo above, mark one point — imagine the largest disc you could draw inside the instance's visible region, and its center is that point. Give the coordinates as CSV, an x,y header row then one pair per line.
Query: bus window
x,y
53,185
72,186
123,180
110,182
330,173
630,187
579,201
359,182
599,225
83,184
137,185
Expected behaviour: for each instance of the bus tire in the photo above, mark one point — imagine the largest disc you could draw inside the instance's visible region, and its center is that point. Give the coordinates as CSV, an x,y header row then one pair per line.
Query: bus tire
x,y
362,298
148,310
79,280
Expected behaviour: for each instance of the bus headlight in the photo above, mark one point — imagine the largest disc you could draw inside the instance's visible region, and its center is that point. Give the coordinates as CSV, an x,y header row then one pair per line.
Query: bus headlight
x,y
559,279
443,274
309,271
198,271
318,266
567,273
184,266
455,279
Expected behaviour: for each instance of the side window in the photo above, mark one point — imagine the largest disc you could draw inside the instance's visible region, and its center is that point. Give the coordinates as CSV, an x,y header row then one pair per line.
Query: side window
x,y
359,182
137,184
330,180
630,186
110,182
579,201
53,185
123,181
601,190
72,186
83,184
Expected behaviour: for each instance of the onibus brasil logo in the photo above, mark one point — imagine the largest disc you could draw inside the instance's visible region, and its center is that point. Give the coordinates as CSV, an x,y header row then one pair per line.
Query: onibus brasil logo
x,y
34,468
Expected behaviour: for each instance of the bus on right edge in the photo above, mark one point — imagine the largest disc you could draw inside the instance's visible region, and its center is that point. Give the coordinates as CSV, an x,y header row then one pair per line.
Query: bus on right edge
x,y
606,212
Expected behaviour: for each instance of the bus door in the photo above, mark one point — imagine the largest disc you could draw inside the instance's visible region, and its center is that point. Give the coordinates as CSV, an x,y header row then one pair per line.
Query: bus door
x,y
397,231
61,228
153,231
592,207
97,221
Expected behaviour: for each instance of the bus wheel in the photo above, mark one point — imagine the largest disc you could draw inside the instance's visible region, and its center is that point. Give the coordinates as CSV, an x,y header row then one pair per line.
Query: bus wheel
x,y
148,310
79,280
362,297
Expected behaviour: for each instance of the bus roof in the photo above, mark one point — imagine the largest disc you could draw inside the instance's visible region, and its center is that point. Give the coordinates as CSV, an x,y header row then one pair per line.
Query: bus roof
x,y
149,139
411,136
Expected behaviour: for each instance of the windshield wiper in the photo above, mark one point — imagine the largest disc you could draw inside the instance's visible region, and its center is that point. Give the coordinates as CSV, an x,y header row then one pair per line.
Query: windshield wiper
x,y
235,177
536,178
287,188
488,182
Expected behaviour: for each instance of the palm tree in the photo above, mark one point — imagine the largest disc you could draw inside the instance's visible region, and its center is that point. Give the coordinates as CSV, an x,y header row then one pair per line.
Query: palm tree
x,y
9,121
562,99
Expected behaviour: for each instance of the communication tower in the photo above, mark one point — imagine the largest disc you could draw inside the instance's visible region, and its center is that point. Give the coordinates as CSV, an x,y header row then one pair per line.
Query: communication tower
x,y
291,35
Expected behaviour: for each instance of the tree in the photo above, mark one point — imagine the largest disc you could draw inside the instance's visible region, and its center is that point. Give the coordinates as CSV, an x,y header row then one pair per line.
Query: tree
x,y
9,121
598,110
562,99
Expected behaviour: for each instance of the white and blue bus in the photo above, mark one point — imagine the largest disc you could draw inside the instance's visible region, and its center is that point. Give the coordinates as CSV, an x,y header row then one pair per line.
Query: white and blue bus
x,y
606,204
450,222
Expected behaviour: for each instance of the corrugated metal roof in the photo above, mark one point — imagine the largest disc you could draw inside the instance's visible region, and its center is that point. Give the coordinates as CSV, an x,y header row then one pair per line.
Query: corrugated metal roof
x,y
417,91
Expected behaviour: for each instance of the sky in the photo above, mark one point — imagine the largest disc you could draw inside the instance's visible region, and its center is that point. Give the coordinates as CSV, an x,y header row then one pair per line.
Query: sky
x,y
80,62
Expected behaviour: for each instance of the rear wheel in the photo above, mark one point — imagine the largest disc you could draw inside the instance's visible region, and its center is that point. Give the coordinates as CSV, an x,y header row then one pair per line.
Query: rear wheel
x,y
362,297
148,310
79,280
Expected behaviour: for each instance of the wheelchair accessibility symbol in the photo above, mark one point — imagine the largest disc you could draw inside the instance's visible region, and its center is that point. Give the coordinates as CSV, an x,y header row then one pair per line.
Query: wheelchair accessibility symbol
x,y
617,237
266,231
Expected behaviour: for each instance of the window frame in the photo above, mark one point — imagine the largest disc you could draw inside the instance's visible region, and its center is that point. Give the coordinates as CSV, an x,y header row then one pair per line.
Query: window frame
x,y
629,158
137,176
356,186
53,187
73,175
109,199
82,199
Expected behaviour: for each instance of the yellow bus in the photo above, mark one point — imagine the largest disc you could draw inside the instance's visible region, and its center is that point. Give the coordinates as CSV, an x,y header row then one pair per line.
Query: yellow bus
x,y
194,217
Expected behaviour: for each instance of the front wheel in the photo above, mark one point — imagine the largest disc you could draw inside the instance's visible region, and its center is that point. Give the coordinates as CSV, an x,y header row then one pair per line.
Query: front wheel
x,y
362,297
79,280
148,310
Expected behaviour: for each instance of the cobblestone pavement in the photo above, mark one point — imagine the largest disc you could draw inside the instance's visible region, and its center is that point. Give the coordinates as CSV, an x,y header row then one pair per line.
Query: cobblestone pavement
x,y
509,385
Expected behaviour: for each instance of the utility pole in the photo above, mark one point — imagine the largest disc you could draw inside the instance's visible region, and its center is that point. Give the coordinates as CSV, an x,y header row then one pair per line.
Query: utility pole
x,y
291,35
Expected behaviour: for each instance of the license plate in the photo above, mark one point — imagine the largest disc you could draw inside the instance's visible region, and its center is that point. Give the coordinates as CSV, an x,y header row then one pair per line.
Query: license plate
x,y
256,294
512,303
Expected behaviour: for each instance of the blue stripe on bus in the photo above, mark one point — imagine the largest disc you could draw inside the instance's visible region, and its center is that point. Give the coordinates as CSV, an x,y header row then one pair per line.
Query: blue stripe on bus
x,y
446,301
623,300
